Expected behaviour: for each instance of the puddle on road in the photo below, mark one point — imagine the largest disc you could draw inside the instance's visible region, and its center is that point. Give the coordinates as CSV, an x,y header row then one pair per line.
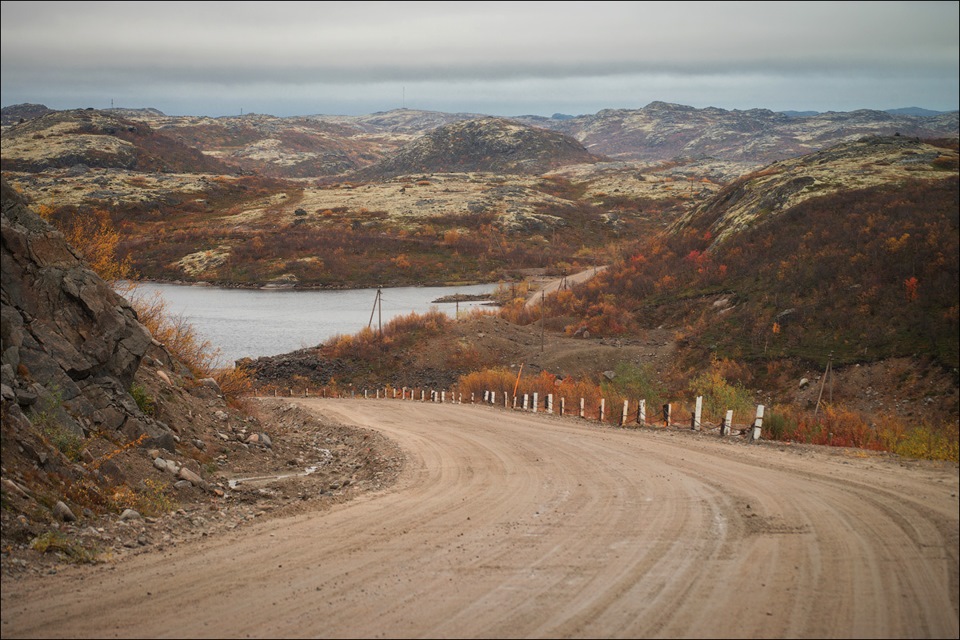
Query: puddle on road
x,y
327,457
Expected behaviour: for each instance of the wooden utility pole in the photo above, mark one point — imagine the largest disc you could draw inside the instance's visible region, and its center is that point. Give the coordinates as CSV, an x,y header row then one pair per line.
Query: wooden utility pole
x,y
517,383
378,309
823,383
543,317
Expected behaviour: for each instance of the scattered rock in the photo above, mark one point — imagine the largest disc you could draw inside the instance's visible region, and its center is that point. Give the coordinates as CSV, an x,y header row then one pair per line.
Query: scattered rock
x,y
190,476
211,384
63,512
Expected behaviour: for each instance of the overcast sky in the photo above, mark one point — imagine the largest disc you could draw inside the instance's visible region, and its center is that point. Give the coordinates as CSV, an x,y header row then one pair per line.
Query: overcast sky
x,y
498,58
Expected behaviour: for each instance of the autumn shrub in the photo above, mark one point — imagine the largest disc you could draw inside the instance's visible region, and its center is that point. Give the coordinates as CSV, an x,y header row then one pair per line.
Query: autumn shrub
x,y
95,237
920,440
778,425
430,322
151,499
175,333
235,383
498,380
517,312
719,395
839,426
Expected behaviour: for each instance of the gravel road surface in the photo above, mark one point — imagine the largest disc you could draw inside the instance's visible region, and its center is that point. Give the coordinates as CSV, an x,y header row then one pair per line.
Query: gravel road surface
x,y
506,524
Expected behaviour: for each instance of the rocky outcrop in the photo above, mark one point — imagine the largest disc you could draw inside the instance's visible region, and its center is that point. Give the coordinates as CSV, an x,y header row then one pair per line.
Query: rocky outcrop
x,y
69,345
17,113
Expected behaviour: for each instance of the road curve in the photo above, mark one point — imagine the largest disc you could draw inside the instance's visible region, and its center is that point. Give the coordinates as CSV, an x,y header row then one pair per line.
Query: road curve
x,y
517,525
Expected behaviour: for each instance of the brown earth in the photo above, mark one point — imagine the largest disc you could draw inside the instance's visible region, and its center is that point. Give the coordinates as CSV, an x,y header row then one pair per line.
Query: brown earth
x,y
509,524
304,463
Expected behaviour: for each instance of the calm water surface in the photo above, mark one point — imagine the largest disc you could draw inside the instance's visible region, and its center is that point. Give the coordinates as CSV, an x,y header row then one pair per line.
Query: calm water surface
x,y
256,322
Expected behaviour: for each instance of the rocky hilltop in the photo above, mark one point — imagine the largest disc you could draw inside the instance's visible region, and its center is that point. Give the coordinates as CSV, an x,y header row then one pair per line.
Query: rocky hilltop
x,y
61,139
495,145
280,147
663,131
17,113
870,162
399,121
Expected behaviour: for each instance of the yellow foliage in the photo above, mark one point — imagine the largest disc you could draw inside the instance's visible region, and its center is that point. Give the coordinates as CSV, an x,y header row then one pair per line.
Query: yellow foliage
x,y
176,334
234,383
96,239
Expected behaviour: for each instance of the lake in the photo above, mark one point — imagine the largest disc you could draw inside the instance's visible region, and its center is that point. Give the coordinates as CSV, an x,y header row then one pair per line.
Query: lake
x,y
263,322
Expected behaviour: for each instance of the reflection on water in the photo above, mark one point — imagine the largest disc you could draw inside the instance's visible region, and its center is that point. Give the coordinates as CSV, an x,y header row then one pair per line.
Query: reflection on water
x,y
258,322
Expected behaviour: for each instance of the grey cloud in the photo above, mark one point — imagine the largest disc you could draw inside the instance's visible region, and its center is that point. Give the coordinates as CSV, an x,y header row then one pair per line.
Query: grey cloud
x,y
118,46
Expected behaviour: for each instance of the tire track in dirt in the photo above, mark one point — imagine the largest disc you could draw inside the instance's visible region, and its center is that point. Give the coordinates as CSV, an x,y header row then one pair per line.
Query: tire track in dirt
x,y
511,524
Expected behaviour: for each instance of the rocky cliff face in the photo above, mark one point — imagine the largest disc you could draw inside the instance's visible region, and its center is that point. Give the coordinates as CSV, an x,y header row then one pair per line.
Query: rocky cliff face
x,y
70,344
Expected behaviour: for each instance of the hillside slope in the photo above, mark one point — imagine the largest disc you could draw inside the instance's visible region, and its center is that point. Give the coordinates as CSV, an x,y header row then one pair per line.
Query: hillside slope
x,y
847,256
869,162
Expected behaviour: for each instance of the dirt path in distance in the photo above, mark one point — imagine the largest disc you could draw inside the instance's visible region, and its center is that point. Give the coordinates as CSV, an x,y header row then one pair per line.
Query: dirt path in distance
x,y
506,524
557,283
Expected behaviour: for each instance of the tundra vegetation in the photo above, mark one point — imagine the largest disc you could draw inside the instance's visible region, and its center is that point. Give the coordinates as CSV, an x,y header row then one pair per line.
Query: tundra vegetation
x,y
847,258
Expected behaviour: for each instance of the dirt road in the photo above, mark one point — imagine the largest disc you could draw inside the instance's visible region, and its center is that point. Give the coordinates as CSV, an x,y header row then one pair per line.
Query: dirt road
x,y
556,284
515,525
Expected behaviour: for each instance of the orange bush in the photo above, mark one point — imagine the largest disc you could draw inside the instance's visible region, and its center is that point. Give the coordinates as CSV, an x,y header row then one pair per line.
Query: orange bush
x,y
175,333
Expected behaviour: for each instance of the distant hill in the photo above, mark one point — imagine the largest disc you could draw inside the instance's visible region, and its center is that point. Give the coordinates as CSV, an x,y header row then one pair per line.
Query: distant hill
x,y
663,131
14,114
279,147
326,145
487,144
398,121
60,139
915,111
905,111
